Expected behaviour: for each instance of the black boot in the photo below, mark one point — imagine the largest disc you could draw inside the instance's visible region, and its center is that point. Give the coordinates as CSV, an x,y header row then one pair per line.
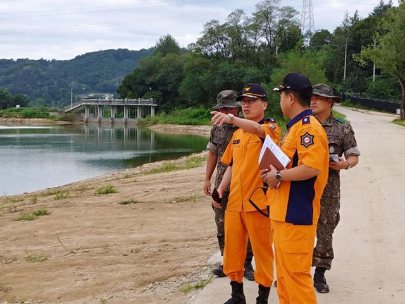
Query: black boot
x,y
263,295
237,294
219,271
249,271
319,280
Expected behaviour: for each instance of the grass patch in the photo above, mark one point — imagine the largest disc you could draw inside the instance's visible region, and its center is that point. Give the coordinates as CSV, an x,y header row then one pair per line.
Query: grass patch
x,y
59,195
33,216
199,285
192,162
130,202
26,217
50,192
24,113
14,199
41,212
399,122
34,199
189,116
35,258
106,190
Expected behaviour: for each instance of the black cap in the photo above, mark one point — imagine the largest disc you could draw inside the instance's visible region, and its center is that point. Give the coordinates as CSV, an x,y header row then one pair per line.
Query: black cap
x,y
253,90
296,82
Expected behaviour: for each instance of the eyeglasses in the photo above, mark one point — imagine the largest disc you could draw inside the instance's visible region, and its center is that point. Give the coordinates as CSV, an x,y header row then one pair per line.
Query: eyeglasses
x,y
249,101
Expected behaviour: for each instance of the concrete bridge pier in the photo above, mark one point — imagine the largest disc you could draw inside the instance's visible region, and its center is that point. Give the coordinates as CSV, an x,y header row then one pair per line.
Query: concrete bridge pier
x,y
86,113
126,114
99,113
138,112
152,111
112,116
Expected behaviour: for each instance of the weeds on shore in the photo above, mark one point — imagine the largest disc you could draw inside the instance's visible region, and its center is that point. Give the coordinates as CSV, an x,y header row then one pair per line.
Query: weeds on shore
x,y
33,216
35,258
192,162
130,202
73,251
106,190
62,195
199,285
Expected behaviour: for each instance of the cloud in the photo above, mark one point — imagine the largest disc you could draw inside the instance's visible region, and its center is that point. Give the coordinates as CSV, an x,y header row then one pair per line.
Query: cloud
x,y
62,30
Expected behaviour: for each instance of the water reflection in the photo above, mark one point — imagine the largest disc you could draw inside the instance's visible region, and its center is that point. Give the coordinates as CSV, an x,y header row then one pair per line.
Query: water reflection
x,y
39,157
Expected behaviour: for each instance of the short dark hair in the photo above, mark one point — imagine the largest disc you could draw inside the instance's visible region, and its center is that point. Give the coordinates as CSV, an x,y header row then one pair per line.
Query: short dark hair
x,y
303,99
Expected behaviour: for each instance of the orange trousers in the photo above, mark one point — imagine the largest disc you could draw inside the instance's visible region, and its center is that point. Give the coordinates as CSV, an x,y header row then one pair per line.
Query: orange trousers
x,y
238,227
294,245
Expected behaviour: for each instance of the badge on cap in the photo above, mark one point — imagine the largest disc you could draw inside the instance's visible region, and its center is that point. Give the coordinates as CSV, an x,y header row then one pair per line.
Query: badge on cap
x,y
307,140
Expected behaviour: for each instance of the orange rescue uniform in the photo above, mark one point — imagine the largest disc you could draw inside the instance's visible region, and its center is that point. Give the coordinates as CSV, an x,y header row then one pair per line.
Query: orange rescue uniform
x,y
295,208
242,220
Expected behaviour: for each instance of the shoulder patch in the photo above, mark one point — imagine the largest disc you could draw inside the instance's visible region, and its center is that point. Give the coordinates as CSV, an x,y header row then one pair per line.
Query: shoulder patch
x,y
235,142
306,120
307,140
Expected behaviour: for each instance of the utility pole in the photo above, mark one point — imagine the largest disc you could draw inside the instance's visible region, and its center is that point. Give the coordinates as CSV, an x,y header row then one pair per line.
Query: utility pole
x,y
307,20
71,96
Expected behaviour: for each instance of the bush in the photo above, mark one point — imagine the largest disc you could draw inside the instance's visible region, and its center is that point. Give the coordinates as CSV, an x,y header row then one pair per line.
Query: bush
x,y
24,113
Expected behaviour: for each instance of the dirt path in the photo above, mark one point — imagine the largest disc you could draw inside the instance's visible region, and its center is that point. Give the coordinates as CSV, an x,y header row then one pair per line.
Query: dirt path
x,y
142,244
369,265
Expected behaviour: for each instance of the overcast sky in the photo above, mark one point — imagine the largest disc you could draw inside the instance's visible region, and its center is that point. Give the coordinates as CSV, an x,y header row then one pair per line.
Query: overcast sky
x,y
53,29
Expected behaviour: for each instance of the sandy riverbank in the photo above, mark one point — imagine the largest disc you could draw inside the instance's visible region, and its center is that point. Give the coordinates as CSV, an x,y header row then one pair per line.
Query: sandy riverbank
x,y
31,121
142,244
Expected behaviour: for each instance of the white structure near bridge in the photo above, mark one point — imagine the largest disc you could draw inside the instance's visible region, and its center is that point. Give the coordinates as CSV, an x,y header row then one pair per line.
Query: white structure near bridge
x,y
99,104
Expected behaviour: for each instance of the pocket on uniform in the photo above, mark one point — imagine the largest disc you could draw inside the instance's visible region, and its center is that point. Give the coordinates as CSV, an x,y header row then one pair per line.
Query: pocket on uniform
x,y
265,232
296,256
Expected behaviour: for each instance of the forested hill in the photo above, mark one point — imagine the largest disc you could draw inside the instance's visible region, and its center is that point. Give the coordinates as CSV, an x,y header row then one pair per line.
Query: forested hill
x,y
48,82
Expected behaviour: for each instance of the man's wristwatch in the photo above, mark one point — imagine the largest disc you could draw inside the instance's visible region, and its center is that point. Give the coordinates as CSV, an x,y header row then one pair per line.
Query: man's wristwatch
x,y
348,165
231,116
279,178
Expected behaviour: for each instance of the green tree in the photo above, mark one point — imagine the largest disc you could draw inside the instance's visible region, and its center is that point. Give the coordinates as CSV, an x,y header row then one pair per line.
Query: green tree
x,y
389,53
295,61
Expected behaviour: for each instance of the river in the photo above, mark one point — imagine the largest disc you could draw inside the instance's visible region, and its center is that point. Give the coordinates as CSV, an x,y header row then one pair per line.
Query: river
x,y
35,158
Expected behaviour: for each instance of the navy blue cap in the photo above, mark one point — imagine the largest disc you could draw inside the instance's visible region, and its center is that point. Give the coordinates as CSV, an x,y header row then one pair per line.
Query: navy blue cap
x,y
253,90
296,82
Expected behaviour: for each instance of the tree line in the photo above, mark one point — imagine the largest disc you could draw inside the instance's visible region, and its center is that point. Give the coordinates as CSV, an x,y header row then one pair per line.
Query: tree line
x,y
51,82
265,46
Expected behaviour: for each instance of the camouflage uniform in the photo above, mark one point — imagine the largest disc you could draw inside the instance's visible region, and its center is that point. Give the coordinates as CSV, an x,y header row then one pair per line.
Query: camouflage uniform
x,y
341,141
219,139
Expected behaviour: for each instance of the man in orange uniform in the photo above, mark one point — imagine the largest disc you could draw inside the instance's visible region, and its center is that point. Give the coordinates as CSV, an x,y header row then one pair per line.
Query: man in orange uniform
x,y
295,192
242,220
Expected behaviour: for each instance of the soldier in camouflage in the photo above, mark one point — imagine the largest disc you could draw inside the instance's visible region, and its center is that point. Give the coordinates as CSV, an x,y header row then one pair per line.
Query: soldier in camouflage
x,y
219,139
341,142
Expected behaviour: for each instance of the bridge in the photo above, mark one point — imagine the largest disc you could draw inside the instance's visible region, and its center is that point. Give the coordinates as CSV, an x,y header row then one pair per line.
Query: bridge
x,y
113,104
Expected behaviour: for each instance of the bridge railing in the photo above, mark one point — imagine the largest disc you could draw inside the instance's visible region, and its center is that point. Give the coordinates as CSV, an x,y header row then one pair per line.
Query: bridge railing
x,y
112,102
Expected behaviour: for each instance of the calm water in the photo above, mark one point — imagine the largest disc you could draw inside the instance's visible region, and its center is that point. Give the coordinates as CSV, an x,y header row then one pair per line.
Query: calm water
x,y
34,158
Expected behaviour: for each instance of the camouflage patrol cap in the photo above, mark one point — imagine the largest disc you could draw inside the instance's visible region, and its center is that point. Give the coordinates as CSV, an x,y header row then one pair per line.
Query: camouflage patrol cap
x,y
226,99
326,91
